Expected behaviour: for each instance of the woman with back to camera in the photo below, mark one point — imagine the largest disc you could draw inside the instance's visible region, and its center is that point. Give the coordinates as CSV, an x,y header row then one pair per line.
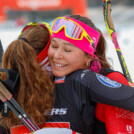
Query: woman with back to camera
x,y
34,83
35,35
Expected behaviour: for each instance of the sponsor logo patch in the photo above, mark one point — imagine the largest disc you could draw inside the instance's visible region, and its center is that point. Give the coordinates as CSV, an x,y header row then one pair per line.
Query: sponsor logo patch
x,y
107,82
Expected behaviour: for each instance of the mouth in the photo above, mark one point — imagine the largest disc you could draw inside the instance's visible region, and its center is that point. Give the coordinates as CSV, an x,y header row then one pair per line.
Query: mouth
x,y
58,65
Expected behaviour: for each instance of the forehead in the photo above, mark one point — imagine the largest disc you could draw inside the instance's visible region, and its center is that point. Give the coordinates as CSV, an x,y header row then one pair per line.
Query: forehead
x,y
61,41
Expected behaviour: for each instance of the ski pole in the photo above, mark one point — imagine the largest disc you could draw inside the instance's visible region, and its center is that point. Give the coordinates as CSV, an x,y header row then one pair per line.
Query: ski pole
x,y
112,34
1,51
6,97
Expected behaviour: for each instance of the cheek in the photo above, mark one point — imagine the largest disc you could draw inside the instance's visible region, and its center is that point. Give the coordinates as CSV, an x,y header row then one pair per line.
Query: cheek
x,y
77,59
50,52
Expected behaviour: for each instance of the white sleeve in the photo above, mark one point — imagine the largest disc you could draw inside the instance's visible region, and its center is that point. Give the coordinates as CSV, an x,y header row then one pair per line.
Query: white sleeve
x,y
54,131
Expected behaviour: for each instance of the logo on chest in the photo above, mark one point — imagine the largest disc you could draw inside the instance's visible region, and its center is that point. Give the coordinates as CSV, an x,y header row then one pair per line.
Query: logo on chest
x,y
56,111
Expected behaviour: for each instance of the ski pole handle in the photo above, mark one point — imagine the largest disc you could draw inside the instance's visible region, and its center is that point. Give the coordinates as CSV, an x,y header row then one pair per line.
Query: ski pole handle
x,y
5,92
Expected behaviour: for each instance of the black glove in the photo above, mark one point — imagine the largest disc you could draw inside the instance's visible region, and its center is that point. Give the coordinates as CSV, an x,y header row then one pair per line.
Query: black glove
x,y
1,105
4,109
12,79
10,83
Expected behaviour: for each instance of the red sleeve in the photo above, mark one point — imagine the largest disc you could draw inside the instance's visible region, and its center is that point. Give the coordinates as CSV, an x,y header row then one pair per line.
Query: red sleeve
x,y
118,77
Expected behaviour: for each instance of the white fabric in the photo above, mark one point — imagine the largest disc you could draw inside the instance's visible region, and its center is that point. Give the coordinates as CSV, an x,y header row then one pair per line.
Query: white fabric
x,y
54,131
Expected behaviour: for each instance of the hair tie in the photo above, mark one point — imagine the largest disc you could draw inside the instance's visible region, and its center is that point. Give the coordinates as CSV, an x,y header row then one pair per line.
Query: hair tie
x,y
24,39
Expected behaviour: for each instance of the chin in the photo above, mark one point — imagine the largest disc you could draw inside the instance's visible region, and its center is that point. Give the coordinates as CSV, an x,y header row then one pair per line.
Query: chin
x,y
58,75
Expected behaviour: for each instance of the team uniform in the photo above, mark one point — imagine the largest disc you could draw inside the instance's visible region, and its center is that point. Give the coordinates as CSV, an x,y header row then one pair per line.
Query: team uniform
x,y
76,99
77,94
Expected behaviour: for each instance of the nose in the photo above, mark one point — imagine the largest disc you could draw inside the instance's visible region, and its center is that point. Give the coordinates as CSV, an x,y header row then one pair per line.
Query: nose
x,y
58,54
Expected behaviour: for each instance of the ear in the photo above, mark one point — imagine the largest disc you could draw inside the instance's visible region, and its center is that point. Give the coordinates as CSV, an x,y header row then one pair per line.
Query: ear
x,y
88,60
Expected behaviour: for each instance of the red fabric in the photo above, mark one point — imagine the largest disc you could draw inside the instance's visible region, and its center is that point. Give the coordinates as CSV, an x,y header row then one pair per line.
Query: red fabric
x,y
117,120
42,58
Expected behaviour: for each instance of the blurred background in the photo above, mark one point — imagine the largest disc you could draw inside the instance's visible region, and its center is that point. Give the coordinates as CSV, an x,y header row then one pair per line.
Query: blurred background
x,y
14,14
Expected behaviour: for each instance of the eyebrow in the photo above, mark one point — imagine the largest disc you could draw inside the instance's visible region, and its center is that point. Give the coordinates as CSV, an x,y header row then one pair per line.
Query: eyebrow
x,y
70,44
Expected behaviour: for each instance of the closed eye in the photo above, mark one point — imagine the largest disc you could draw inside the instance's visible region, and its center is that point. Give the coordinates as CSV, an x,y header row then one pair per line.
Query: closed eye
x,y
67,50
54,46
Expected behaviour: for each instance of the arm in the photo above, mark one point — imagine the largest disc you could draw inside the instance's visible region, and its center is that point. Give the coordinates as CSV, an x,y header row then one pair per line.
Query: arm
x,y
101,89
